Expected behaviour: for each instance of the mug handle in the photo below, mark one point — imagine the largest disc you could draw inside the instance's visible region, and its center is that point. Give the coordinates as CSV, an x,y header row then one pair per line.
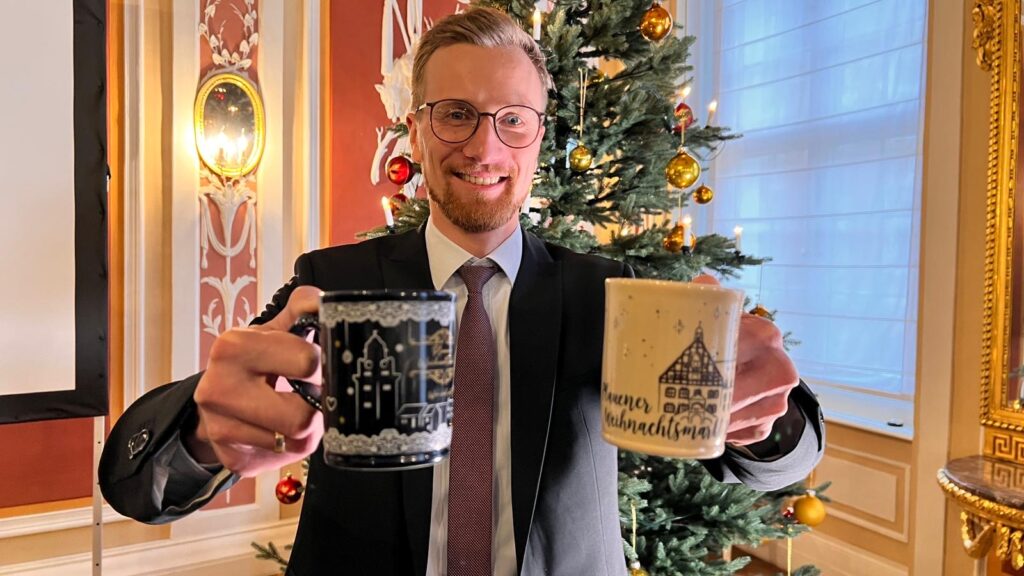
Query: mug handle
x,y
308,391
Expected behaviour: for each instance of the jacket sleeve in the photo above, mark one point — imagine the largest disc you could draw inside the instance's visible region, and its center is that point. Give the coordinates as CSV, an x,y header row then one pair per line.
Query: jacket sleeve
x,y
792,450
145,472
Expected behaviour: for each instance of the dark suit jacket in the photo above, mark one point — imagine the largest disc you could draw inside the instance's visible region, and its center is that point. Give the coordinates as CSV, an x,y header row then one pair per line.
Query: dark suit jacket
x,y
564,475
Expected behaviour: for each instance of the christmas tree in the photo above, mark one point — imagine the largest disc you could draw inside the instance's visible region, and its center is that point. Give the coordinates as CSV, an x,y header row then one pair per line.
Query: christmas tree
x,y
613,178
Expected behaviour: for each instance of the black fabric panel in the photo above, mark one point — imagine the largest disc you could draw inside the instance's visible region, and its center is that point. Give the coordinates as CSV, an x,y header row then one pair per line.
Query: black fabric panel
x,y
89,398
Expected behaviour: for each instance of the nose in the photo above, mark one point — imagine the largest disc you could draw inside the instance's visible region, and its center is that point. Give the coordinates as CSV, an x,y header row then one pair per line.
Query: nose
x,y
484,146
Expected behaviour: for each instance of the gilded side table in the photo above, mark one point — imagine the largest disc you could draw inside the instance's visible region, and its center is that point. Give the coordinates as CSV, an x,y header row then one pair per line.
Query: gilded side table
x,y
990,493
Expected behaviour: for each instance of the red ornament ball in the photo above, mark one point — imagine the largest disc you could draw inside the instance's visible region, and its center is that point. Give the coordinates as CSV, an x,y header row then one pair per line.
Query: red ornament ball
x,y
288,490
400,170
685,114
396,201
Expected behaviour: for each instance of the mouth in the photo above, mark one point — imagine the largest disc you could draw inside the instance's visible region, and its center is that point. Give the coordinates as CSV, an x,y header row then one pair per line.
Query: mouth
x,y
481,179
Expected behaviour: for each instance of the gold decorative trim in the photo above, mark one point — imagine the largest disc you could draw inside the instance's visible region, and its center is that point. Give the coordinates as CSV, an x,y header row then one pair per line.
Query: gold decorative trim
x,y
979,506
986,38
997,39
976,535
251,92
982,520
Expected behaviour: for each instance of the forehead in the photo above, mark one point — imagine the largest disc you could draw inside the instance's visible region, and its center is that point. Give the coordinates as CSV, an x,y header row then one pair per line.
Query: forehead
x,y
485,77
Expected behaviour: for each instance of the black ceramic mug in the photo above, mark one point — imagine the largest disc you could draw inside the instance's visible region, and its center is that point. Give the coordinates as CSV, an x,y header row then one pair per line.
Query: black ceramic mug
x,y
388,370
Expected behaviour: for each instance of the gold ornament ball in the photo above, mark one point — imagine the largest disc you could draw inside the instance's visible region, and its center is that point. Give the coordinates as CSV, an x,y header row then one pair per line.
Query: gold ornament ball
x,y
703,194
682,170
809,510
580,158
637,572
676,239
656,23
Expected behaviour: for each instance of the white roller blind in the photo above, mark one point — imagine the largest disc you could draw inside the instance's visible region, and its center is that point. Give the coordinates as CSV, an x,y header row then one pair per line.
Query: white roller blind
x,y
826,181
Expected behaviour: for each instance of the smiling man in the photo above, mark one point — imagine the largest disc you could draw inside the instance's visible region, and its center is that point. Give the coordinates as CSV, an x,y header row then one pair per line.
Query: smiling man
x,y
530,487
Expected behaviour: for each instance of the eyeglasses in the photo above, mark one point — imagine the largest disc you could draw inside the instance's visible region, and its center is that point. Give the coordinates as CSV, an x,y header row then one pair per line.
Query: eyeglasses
x,y
455,121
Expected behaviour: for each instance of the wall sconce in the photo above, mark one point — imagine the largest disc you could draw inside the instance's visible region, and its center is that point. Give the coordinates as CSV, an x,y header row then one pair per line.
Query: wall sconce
x,y
230,125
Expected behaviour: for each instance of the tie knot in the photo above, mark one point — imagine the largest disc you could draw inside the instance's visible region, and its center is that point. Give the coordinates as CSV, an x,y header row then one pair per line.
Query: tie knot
x,y
476,276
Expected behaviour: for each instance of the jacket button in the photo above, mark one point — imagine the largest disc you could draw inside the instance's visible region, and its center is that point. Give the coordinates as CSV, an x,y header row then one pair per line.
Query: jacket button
x,y
137,443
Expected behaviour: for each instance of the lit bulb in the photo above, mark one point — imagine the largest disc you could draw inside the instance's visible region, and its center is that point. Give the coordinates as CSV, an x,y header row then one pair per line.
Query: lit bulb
x,y
388,218
712,108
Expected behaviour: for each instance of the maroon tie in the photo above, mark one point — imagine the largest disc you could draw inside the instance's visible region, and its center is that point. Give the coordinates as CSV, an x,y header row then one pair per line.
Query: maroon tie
x,y
471,476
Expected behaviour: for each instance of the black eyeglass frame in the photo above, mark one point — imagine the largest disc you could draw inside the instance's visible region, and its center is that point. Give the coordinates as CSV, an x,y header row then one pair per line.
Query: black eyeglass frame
x,y
494,121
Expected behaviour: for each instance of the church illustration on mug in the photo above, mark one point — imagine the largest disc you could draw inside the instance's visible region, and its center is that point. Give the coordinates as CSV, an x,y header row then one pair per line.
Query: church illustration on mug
x,y
693,388
383,394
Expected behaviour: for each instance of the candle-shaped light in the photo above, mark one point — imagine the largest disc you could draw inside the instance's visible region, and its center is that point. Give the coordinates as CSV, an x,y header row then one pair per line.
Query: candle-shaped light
x,y
684,92
388,218
738,232
536,22
686,229
712,108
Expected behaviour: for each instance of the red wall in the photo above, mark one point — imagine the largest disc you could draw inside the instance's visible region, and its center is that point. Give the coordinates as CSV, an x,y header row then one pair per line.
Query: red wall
x,y
45,461
356,111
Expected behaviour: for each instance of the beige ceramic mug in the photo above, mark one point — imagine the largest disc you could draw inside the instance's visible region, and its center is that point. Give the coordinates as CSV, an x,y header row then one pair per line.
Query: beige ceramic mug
x,y
669,366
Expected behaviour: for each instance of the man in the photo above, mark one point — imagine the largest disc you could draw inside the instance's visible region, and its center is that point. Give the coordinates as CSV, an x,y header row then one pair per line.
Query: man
x,y
479,83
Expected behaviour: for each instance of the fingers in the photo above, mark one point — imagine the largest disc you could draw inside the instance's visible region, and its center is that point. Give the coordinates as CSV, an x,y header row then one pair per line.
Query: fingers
x,y
756,334
760,414
769,374
239,409
749,435
303,300
248,450
258,406
265,352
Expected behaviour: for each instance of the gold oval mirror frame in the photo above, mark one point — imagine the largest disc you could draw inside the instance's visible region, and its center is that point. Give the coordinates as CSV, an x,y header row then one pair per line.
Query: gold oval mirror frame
x,y
230,125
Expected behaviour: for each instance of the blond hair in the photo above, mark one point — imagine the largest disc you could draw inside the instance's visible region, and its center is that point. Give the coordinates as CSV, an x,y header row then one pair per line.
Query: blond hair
x,y
479,26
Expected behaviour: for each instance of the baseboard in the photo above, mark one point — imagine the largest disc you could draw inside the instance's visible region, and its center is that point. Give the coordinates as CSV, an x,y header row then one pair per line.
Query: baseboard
x,y
834,557
213,554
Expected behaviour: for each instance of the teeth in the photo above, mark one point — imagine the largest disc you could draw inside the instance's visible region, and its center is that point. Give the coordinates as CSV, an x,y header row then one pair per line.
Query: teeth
x,y
480,181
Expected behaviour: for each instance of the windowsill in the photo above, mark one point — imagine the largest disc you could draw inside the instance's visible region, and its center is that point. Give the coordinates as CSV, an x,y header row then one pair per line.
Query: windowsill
x,y
906,432
865,411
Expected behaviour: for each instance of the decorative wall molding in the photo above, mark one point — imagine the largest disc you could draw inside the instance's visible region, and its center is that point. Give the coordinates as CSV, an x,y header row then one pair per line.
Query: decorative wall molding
x,y
866,508
53,521
833,557
228,552
221,200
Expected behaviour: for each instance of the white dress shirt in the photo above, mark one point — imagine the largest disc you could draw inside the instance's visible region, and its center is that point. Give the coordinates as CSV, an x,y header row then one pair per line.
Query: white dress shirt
x,y
445,259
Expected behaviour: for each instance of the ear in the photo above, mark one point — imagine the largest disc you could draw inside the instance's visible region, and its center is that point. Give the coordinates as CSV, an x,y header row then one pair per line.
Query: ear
x,y
414,138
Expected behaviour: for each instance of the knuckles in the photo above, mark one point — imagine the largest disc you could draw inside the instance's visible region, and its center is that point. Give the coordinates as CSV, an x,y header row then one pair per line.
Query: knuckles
x,y
228,345
760,331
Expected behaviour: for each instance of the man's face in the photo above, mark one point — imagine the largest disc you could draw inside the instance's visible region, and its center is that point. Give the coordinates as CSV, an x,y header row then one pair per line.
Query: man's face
x,y
478,185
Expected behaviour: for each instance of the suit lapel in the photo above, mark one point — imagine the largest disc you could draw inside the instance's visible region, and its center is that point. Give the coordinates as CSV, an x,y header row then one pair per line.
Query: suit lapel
x,y
406,266
534,327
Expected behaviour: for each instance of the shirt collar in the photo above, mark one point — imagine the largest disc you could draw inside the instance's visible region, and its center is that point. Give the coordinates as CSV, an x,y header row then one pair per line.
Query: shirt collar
x,y
446,257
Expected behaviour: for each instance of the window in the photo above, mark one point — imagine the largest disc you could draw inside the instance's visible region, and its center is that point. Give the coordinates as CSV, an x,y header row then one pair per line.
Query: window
x,y
826,181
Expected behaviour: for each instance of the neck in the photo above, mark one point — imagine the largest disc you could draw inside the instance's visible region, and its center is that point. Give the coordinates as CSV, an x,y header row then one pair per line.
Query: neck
x,y
479,244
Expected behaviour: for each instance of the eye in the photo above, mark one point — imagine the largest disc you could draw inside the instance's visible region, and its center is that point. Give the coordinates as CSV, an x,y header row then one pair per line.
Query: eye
x,y
455,112
456,115
512,120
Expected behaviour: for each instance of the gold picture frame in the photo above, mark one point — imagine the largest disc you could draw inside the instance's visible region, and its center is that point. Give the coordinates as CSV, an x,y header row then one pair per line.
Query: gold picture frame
x,y
230,126
997,41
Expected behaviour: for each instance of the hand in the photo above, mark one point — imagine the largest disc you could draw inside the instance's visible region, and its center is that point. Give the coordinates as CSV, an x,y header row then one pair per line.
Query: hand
x,y
765,375
239,409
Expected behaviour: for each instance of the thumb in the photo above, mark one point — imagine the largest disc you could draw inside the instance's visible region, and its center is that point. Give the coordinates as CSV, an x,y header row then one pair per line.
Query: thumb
x,y
706,279
303,300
